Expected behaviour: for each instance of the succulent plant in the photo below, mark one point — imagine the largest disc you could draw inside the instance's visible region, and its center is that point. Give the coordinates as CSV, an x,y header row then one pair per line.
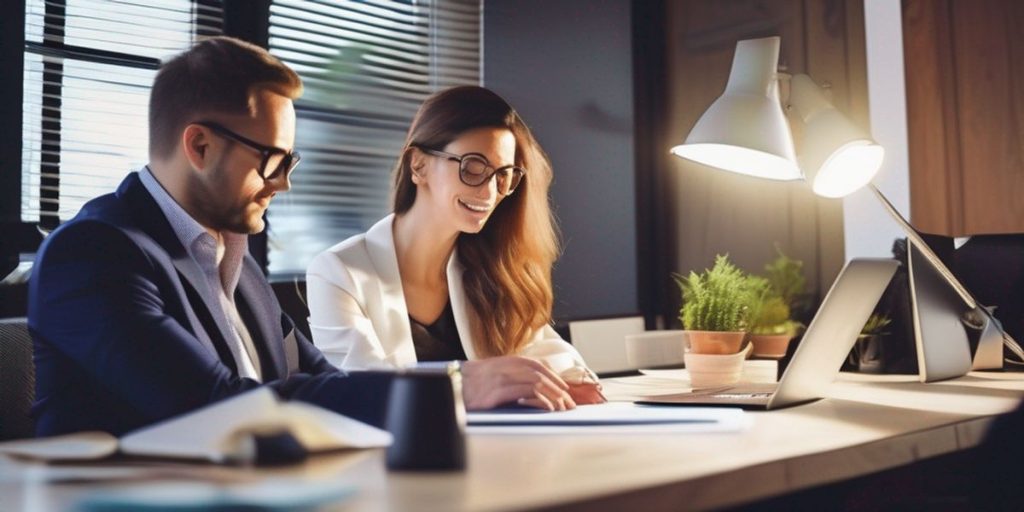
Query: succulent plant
x,y
875,324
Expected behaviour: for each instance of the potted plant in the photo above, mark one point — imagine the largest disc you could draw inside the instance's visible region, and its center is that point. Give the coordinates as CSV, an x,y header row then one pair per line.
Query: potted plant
x,y
786,277
774,297
866,355
771,327
715,307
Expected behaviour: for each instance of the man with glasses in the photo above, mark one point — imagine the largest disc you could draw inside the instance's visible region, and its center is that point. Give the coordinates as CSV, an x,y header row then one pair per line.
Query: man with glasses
x,y
147,305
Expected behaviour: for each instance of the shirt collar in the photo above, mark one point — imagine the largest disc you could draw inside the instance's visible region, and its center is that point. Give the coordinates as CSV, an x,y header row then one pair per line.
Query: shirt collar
x,y
187,229
194,237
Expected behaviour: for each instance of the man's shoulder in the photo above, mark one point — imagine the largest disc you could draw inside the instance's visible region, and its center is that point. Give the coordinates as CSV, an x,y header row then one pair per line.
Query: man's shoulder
x,y
106,210
103,223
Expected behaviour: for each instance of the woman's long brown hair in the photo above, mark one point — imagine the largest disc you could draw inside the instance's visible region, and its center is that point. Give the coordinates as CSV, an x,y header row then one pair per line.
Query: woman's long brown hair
x,y
508,263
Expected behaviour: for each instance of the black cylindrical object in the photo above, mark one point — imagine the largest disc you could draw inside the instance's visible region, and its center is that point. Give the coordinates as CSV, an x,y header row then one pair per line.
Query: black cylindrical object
x,y
426,416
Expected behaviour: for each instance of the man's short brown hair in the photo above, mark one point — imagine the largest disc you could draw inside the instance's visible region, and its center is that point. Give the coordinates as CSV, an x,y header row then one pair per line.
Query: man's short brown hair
x,y
221,75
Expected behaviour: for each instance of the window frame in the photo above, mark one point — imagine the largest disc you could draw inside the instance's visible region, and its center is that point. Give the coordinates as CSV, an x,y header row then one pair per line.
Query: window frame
x,y
241,19
248,20
18,236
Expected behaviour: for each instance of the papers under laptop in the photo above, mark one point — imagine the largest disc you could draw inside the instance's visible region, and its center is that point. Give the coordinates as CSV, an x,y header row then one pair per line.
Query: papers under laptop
x,y
825,345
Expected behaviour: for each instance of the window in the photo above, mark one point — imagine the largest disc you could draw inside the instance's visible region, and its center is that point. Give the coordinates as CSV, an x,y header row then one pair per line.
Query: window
x,y
366,66
89,65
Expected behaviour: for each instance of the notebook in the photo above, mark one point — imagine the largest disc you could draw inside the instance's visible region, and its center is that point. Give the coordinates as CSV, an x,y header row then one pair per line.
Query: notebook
x,y
819,356
222,432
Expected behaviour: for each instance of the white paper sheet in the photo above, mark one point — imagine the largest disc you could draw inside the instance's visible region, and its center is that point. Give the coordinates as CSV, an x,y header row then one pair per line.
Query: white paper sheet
x,y
610,418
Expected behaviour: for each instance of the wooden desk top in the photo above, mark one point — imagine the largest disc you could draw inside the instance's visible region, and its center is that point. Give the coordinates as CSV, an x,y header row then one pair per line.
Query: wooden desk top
x,y
868,424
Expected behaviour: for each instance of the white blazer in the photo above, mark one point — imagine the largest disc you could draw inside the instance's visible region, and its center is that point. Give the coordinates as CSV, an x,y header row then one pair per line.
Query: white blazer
x,y
359,319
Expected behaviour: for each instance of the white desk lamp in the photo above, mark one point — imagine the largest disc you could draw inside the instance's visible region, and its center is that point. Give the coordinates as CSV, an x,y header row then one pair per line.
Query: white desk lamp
x,y
745,131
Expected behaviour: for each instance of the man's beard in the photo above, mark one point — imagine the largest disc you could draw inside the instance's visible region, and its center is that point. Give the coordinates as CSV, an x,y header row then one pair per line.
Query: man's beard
x,y
219,212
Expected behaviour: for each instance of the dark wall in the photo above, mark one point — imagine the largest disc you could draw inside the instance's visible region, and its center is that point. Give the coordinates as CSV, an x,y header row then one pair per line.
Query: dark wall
x,y
566,66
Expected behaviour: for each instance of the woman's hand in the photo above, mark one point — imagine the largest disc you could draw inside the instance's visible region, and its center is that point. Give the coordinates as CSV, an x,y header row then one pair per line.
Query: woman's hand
x,y
584,388
586,393
488,383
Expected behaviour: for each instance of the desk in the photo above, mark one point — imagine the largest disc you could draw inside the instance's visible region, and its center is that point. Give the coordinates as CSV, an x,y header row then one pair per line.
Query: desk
x,y
868,424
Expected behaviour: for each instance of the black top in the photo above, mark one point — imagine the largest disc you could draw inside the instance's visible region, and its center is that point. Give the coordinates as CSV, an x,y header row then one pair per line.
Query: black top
x,y
438,341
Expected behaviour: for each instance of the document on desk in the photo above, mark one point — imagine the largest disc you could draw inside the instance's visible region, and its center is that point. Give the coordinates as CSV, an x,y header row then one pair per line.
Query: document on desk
x,y
222,432
608,418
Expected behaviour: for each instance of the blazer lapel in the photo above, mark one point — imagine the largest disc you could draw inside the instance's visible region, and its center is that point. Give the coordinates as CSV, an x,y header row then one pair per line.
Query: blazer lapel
x,y
152,221
253,298
191,272
460,305
397,343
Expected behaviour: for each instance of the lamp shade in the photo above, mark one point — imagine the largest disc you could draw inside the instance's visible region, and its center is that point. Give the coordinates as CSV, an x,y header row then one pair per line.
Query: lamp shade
x,y
745,130
837,157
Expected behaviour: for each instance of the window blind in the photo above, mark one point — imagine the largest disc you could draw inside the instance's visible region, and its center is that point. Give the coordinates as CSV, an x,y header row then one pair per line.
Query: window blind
x,y
89,65
366,66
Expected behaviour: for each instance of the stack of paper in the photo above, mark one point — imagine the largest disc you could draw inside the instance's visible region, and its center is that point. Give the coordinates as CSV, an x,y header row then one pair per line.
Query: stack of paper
x,y
611,417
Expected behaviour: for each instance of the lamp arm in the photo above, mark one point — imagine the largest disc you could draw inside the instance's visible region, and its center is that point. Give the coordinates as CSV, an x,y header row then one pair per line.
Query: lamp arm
x,y
922,246
937,264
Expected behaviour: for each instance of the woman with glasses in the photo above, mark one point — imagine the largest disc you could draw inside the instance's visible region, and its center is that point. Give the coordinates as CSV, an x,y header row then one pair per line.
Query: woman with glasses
x,y
462,269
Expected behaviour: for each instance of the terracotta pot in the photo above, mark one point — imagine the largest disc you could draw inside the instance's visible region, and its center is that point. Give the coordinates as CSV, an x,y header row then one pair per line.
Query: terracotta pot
x,y
715,342
770,345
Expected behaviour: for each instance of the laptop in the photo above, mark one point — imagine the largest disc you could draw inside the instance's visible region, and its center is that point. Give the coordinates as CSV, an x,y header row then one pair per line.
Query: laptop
x,y
819,356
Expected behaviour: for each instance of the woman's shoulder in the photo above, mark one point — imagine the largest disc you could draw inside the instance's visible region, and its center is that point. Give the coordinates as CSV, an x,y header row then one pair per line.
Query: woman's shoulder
x,y
352,253
348,250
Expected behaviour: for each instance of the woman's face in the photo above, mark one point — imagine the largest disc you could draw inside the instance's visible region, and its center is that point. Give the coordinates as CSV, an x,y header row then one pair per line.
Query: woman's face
x,y
451,201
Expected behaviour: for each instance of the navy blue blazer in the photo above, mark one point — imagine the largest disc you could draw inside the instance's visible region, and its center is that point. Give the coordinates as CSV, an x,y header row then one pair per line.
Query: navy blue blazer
x,y
120,315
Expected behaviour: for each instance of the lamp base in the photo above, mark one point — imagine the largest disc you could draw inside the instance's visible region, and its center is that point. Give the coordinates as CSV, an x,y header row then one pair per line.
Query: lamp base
x,y
988,354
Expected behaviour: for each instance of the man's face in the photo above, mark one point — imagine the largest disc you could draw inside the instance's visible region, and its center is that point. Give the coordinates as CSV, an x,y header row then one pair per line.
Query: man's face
x,y
230,193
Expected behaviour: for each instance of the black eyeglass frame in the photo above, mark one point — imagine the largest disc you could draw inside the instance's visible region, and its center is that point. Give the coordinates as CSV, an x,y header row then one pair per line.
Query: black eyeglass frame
x,y
487,165
286,166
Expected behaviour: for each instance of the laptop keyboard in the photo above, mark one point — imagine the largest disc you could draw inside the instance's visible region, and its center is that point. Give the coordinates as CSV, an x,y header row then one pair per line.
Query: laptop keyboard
x,y
741,395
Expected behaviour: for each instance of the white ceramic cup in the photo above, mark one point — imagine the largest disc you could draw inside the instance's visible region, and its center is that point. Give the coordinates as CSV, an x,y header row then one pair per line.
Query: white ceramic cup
x,y
715,370
655,348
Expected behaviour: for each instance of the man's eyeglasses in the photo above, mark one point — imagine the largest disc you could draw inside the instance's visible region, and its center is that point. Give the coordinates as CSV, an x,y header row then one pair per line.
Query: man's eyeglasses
x,y
475,170
278,161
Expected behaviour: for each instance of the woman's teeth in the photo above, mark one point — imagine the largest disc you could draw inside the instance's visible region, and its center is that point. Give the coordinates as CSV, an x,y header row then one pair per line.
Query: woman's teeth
x,y
475,208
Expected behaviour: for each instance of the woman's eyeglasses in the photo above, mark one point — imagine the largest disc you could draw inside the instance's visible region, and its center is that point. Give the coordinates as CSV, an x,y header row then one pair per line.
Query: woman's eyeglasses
x,y
475,170
279,161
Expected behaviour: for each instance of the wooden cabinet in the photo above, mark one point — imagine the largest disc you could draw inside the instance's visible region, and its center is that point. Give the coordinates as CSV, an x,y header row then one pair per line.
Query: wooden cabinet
x,y
964,62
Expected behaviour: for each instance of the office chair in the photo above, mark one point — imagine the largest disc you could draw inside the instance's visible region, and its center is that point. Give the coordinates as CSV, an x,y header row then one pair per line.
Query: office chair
x,y
17,380
291,295
602,342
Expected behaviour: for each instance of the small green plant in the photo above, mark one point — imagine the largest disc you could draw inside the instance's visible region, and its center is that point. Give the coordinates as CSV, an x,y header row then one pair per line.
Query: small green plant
x,y
716,300
781,292
769,312
786,277
875,325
